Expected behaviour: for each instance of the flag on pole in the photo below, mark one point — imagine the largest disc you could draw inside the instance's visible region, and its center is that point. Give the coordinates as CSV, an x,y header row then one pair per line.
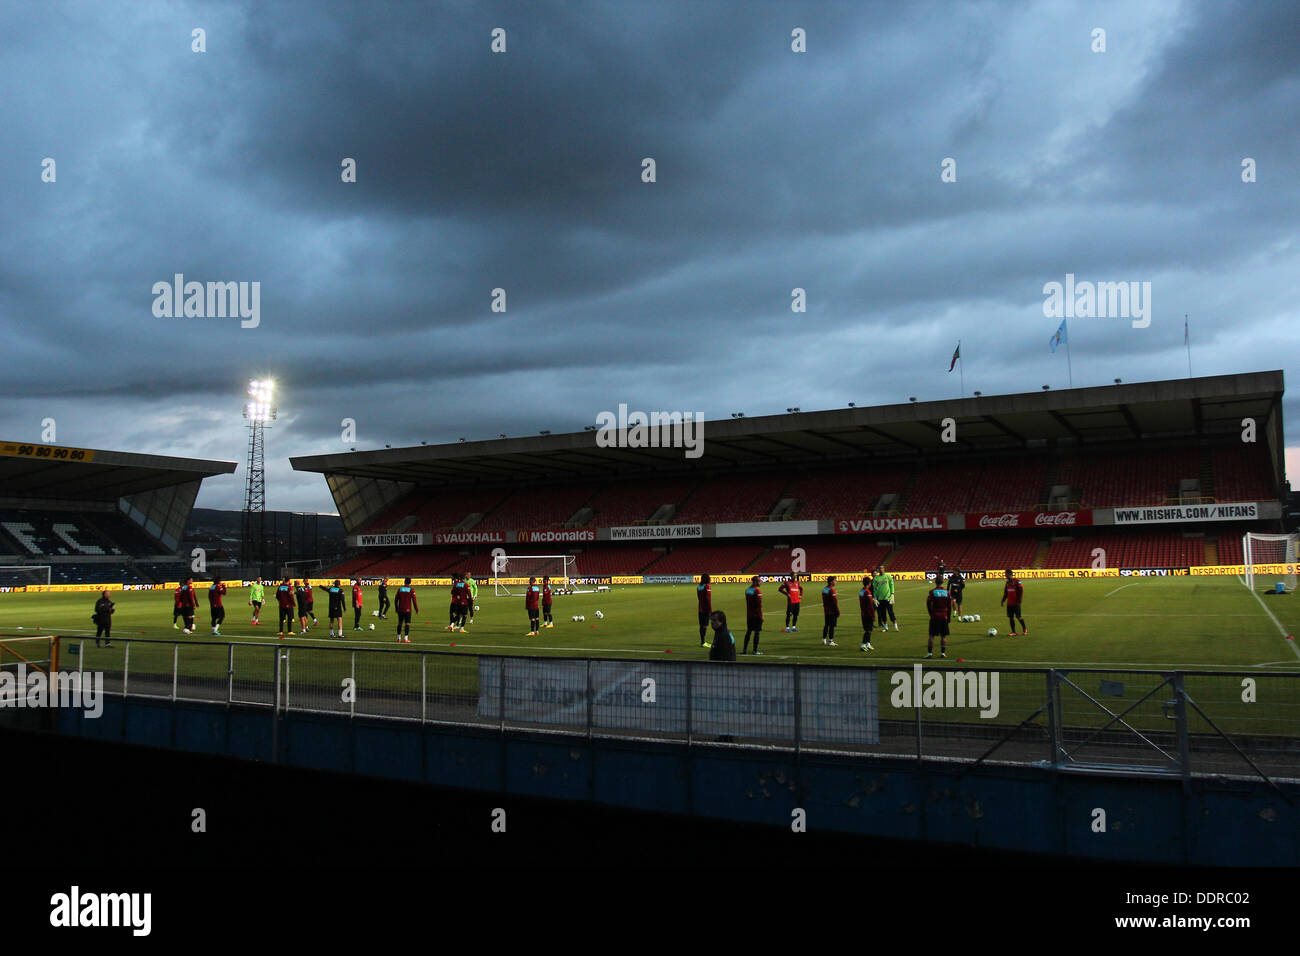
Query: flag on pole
x,y
1061,337
955,356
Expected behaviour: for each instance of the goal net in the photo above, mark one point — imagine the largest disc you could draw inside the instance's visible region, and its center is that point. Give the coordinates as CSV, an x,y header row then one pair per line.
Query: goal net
x,y
1270,558
510,572
308,568
21,575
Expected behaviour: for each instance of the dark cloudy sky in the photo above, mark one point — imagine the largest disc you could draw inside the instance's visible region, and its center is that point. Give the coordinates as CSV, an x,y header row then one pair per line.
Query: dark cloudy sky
x,y
522,170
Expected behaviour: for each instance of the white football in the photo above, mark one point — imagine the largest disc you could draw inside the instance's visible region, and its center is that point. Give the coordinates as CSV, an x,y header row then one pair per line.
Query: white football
x,y
476,607
600,615
185,630
375,613
372,627
977,617
582,617
575,618
993,632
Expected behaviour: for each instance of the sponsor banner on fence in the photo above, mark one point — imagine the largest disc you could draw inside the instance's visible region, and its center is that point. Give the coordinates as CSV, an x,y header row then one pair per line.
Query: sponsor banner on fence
x,y
655,532
606,579
391,540
1174,514
837,704
1154,572
1028,519
670,579
547,536
1260,569
745,578
1028,573
901,523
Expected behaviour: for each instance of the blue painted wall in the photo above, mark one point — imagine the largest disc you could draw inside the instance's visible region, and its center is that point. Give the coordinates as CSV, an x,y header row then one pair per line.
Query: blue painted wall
x,y
1029,809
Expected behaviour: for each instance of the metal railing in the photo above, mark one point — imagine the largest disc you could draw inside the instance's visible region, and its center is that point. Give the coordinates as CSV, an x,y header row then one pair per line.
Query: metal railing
x,y
1175,723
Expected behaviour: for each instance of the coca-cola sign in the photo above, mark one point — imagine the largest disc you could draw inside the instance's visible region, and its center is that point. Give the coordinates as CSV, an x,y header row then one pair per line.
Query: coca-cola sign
x,y
1029,519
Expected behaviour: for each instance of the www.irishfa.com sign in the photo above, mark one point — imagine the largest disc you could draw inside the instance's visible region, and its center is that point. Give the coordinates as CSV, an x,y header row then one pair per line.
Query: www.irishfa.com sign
x,y
391,540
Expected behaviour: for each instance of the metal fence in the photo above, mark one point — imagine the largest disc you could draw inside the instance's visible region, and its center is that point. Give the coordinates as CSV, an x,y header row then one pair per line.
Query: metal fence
x,y
1176,723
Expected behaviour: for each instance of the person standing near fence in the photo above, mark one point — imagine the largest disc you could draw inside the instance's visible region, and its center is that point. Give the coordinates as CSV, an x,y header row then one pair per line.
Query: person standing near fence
x,y
704,602
532,604
830,612
103,619
383,599
338,600
793,592
753,615
547,599
217,605
867,608
406,604
356,604
189,604
882,586
285,599
256,595
723,647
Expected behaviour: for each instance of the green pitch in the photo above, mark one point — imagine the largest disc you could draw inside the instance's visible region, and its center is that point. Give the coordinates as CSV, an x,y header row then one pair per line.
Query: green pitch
x,y
1185,623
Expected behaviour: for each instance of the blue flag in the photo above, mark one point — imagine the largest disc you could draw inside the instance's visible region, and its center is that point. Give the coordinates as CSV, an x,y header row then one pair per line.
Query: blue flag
x,y
1060,338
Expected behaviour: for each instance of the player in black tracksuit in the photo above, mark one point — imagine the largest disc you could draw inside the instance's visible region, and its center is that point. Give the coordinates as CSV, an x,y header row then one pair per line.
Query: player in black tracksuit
x,y
383,599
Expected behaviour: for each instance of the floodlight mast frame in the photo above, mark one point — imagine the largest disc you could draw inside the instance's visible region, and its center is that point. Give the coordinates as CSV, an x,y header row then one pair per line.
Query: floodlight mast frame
x,y
259,411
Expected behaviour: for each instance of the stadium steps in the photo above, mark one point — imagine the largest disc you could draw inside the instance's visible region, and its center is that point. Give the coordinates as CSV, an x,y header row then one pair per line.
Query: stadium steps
x,y
755,562
888,559
1049,481
1040,556
1207,475
1212,551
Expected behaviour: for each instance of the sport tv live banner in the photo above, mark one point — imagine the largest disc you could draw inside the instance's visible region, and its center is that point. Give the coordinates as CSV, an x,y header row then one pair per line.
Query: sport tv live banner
x,y
839,705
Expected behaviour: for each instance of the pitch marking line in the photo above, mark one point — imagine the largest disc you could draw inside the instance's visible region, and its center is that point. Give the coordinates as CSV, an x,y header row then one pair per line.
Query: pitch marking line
x,y
1280,629
1120,588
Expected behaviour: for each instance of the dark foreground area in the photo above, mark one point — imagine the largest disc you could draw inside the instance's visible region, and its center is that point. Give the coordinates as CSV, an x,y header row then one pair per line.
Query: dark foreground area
x,y
117,818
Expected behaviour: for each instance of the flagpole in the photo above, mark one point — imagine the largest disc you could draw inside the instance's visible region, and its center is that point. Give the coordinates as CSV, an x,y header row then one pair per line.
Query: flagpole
x,y
962,369
1187,340
1068,364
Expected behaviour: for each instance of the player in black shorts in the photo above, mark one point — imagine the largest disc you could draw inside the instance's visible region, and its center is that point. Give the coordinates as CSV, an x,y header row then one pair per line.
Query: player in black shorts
x,y
939,605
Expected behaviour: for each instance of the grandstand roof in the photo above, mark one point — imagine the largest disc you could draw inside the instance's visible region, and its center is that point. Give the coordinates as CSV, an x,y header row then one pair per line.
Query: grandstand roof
x,y
1178,408
29,469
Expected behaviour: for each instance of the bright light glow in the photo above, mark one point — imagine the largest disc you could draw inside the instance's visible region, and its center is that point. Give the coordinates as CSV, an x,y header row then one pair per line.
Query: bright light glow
x,y
261,408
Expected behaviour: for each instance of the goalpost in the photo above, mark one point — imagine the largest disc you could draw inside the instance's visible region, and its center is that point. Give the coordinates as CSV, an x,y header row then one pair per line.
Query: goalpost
x,y
559,567
1260,549
21,575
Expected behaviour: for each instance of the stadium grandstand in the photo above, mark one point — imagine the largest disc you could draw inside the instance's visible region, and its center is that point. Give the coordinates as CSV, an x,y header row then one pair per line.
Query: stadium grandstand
x,y
1165,474
89,516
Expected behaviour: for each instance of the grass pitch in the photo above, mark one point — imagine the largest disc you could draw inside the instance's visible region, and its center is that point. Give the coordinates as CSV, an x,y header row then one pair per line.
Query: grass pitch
x,y
1168,623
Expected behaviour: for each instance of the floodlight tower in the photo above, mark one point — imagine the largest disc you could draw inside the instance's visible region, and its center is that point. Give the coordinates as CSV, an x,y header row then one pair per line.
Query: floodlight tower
x,y
259,412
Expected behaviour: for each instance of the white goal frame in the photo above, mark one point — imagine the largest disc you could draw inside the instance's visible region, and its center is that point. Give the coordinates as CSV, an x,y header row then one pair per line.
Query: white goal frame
x,y
28,567
1257,548
568,566
291,565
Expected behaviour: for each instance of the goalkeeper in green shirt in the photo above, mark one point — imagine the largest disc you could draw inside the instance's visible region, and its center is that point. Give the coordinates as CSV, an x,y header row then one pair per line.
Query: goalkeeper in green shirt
x,y
882,586
255,596
473,597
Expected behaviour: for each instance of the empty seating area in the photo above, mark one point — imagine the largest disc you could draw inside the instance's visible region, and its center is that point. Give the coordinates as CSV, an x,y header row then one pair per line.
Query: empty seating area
x,y
1128,480
845,493
635,502
941,489
739,498
971,553
69,533
698,559
537,508
1009,485
1147,549
1242,473
825,554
